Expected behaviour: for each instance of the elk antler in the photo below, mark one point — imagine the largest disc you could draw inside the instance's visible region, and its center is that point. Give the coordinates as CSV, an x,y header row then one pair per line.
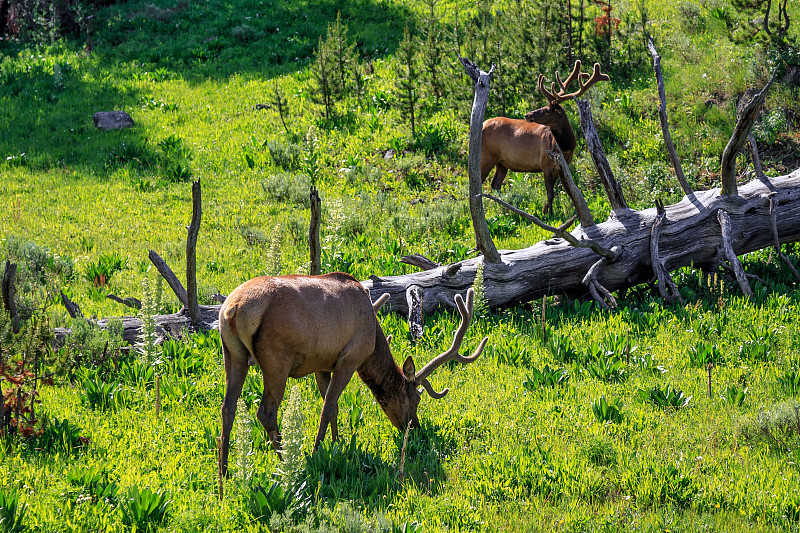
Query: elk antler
x,y
585,81
379,302
451,354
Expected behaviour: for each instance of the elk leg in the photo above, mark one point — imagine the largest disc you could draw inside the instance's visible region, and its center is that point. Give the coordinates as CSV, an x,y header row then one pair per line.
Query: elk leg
x,y
487,164
342,374
235,373
274,387
549,185
323,382
499,177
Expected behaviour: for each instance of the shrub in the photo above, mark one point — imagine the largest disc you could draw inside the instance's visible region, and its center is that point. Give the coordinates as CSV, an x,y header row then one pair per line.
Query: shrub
x,y
285,155
778,426
288,188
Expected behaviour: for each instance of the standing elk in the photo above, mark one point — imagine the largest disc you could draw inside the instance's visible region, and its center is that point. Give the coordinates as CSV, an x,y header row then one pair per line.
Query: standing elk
x,y
293,326
522,145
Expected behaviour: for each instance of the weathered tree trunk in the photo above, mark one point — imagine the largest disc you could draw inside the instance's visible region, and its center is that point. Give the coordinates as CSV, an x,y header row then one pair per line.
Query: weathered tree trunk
x,y
483,238
690,234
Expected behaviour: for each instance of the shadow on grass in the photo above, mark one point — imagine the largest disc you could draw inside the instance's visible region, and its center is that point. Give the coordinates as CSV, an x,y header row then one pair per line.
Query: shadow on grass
x,y
217,39
47,100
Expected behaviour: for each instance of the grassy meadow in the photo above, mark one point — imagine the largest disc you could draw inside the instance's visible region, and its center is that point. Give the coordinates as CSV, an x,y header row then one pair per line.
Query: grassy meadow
x,y
574,419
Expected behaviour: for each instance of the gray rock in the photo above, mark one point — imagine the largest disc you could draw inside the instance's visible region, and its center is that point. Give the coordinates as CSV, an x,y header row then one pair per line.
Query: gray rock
x,y
112,120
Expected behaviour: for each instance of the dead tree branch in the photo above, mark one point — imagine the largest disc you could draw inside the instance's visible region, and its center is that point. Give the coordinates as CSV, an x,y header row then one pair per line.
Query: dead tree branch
x,y
741,133
666,286
662,114
610,183
169,275
730,254
578,200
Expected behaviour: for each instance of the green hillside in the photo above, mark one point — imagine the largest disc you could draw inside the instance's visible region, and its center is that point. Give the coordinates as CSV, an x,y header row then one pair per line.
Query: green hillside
x,y
565,430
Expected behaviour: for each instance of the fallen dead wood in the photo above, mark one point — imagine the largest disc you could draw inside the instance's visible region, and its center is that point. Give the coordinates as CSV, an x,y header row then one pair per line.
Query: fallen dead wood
x,y
690,234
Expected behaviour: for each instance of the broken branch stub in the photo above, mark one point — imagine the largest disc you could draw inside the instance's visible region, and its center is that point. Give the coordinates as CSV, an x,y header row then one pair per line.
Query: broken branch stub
x,y
167,273
315,248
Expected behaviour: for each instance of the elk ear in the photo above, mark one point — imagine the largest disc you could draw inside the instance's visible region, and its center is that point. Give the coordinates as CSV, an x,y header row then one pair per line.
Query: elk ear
x,y
409,370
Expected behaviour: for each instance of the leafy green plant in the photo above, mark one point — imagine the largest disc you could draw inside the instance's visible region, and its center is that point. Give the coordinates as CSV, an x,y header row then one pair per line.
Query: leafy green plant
x,y
100,272
12,512
145,508
607,410
99,393
734,395
60,436
703,353
546,377
669,398
265,501
95,481
606,365
563,349
647,364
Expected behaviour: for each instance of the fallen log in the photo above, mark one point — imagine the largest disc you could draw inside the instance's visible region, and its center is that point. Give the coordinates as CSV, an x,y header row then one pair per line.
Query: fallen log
x,y
690,233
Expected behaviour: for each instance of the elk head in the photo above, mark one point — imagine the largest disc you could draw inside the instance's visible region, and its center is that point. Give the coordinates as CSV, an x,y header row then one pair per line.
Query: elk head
x,y
400,399
553,112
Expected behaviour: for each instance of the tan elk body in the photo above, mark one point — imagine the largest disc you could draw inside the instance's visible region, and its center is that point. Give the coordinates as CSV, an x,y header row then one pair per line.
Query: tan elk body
x,y
325,325
522,145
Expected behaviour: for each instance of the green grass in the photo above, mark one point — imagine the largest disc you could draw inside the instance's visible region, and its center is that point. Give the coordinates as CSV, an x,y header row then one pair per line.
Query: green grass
x,y
514,446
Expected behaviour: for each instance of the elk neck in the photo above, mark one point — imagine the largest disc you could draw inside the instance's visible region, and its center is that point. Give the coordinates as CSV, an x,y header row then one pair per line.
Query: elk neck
x,y
380,372
565,137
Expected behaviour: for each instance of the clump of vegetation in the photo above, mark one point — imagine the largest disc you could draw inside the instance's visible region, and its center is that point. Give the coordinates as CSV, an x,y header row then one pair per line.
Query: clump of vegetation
x,y
777,426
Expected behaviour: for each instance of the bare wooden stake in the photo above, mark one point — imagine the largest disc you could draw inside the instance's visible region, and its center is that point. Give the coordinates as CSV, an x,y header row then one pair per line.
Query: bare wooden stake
x,y
158,395
315,248
544,321
483,239
662,114
628,349
708,368
191,255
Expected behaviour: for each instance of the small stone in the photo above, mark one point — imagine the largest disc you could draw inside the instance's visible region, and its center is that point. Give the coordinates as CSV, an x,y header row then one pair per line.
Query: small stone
x,y
112,120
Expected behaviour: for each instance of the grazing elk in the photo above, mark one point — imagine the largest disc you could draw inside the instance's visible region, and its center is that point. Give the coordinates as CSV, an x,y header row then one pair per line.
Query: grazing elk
x,y
522,145
326,325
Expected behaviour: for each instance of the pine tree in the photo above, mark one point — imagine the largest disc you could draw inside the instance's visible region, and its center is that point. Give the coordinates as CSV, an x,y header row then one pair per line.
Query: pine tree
x,y
322,75
433,49
344,56
406,71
